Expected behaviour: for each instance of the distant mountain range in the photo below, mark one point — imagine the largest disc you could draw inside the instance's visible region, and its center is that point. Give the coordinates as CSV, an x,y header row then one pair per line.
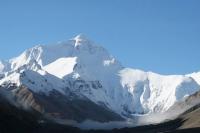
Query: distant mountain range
x,y
78,83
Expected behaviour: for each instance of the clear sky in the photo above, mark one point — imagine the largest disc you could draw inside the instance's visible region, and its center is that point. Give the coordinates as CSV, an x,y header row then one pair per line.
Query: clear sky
x,y
154,35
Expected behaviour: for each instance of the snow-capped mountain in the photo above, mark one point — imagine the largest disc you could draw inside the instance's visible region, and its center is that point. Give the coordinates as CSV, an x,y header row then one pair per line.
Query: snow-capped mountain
x,y
85,70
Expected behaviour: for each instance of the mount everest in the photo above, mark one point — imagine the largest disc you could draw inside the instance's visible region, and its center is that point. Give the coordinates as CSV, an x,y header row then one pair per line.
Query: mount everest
x,y
79,80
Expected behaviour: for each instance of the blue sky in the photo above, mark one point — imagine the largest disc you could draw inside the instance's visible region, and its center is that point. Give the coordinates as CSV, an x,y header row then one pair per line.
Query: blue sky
x,y
154,35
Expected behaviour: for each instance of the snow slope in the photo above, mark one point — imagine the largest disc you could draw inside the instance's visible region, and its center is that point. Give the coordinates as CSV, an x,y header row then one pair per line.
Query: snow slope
x,y
195,76
81,66
61,67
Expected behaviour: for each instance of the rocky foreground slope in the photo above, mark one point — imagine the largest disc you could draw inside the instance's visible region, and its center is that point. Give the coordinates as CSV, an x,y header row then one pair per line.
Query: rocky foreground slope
x,y
14,119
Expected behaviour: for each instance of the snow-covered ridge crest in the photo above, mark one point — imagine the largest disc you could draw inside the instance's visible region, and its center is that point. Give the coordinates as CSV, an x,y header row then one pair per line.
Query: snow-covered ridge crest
x,y
83,67
157,93
195,76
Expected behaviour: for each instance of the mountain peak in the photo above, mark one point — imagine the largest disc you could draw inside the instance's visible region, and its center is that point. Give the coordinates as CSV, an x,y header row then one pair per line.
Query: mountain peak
x,y
80,39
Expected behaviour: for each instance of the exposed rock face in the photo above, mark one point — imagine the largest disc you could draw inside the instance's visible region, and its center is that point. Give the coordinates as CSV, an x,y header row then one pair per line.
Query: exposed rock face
x,y
26,98
59,106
